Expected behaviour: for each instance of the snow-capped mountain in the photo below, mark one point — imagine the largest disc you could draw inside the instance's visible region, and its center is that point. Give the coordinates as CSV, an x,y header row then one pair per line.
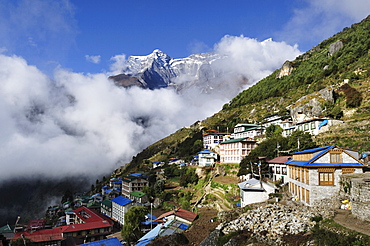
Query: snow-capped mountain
x,y
158,70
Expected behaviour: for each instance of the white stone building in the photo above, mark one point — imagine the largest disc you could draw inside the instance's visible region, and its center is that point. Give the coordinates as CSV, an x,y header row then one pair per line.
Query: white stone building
x,y
278,168
206,158
120,206
254,191
312,126
212,139
247,131
133,182
314,174
234,150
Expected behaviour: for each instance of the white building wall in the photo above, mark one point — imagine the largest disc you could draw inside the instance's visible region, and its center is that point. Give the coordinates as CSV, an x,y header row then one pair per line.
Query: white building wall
x,y
118,212
250,197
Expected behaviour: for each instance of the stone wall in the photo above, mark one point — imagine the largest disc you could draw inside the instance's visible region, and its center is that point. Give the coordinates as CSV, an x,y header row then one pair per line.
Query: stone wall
x,y
356,187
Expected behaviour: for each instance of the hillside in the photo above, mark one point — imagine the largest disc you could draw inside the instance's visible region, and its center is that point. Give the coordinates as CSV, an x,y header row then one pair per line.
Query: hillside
x,y
341,59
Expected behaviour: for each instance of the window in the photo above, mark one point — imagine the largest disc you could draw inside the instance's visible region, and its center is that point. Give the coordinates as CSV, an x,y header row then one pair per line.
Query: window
x,y
335,158
326,176
277,170
313,125
284,170
305,127
348,170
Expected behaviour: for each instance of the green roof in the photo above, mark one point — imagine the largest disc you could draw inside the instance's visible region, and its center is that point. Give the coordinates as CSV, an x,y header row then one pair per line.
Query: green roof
x,y
6,229
137,194
107,203
236,140
246,124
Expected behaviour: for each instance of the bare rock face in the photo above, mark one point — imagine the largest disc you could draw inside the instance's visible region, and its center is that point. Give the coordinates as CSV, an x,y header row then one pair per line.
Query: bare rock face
x,y
336,46
285,70
309,106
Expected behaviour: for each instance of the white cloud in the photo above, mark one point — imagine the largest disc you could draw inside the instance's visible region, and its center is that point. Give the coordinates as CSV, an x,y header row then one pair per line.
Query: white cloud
x,y
251,58
93,59
319,20
118,64
83,124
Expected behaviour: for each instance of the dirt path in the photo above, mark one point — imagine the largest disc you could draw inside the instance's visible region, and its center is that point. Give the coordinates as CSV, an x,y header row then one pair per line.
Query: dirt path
x,y
346,219
202,226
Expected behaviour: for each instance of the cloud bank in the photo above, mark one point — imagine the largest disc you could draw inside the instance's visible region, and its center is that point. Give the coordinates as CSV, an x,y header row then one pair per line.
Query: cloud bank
x,y
78,124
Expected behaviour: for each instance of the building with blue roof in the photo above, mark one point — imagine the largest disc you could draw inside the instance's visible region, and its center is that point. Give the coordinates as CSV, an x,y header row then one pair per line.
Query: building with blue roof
x,y
314,174
206,158
120,206
106,242
134,182
161,230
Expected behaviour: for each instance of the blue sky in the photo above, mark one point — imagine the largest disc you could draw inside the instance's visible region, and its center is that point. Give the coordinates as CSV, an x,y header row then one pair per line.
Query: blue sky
x,y
83,35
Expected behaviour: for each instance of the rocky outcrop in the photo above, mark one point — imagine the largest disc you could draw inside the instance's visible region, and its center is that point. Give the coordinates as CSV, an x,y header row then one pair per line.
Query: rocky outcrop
x,y
271,223
212,238
309,106
285,70
335,47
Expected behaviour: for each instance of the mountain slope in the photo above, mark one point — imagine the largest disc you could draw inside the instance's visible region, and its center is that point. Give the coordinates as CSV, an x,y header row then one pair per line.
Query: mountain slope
x,y
341,59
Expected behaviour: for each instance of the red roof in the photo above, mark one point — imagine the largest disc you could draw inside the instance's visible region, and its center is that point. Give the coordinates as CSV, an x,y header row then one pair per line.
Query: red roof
x,y
279,160
182,213
92,219
42,235
88,226
88,215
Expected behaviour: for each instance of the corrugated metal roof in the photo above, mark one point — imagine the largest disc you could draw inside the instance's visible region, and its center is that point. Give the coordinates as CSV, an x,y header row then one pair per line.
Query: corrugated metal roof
x,y
120,200
318,153
235,140
279,160
106,242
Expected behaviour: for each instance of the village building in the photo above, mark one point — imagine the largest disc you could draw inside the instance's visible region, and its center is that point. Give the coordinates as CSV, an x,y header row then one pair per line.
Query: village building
x,y
120,206
109,193
247,131
254,191
312,126
139,197
278,168
164,229
133,182
277,120
176,161
211,139
314,174
234,150
106,208
85,225
105,242
206,158
179,214
158,164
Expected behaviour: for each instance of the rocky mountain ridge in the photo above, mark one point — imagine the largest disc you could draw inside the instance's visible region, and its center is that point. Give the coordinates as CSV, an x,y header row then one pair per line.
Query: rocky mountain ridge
x,y
158,70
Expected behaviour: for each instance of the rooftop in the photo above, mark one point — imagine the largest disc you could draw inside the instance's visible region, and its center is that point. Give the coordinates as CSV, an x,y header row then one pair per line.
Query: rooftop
x,y
120,200
182,213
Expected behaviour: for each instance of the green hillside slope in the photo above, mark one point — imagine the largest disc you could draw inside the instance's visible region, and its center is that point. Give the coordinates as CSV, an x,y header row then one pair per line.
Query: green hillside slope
x,y
341,62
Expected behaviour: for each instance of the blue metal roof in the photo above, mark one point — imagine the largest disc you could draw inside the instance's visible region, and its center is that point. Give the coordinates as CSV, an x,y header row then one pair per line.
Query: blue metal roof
x,y
314,150
205,152
121,200
135,174
319,152
107,242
